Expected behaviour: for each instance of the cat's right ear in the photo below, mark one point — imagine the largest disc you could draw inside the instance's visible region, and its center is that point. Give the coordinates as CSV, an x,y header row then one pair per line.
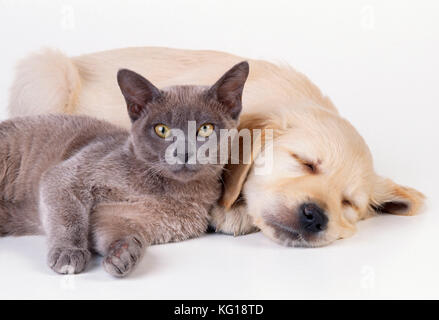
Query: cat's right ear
x,y
228,89
138,92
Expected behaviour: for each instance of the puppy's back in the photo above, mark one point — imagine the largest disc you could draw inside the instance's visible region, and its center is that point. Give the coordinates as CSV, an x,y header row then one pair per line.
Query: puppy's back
x,y
86,84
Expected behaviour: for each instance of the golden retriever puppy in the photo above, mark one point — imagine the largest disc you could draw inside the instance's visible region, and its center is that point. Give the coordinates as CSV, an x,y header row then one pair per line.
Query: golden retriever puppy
x,y
322,179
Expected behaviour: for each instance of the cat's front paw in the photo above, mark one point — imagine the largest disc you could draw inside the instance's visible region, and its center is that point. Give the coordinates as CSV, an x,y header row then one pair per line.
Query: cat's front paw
x,y
68,260
123,256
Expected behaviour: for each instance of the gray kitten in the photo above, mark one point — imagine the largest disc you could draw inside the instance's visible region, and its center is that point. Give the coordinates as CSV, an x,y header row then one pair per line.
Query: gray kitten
x,y
89,185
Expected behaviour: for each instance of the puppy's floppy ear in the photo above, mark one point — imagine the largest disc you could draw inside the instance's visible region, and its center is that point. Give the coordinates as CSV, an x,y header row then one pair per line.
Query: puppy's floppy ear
x,y
228,89
138,92
388,197
235,175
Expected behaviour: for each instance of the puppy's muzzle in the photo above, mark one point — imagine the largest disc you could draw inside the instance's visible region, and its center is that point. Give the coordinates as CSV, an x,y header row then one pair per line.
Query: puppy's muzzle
x,y
302,226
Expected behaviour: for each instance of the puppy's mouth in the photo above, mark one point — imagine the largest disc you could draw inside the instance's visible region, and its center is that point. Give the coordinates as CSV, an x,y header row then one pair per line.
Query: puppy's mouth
x,y
285,229
286,235
290,237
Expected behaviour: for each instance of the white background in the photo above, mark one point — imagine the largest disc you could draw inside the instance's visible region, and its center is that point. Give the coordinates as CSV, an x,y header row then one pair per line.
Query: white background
x,y
377,60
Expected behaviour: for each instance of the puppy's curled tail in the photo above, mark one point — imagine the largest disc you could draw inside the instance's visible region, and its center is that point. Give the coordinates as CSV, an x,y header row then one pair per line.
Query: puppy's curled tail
x,y
45,82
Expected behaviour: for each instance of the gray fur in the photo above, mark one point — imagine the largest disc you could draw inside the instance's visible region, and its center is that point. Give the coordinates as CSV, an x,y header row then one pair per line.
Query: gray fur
x,y
89,185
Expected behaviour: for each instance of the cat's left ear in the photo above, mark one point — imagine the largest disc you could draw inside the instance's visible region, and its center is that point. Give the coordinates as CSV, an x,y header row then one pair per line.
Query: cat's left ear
x,y
228,89
138,92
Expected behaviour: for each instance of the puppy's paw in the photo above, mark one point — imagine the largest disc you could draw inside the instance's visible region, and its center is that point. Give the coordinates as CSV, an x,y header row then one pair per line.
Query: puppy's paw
x,y
68,260
123,256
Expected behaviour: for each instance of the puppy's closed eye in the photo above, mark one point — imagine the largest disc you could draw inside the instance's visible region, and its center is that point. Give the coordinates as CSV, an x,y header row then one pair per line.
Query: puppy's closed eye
x,y
309,166
346,203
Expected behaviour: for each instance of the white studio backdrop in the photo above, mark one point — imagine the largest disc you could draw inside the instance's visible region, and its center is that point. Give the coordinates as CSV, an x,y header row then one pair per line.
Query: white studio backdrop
x,y
377,60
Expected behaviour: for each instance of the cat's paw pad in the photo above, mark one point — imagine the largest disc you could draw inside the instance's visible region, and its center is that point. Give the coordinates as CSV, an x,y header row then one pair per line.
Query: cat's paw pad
x,y
68,260
123,256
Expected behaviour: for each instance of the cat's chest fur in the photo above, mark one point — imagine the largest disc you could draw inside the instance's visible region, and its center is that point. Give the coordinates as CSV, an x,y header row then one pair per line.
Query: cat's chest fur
x,y
183,207
130,183
121,188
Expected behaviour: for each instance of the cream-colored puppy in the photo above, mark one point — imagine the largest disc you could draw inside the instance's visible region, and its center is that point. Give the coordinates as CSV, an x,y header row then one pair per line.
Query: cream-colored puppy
x,y
323,180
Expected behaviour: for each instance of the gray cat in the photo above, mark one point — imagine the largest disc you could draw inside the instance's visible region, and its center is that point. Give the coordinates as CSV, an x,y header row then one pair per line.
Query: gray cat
x,y
91,186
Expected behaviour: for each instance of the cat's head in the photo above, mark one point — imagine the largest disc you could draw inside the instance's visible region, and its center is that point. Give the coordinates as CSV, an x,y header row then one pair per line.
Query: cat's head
x,y
176,129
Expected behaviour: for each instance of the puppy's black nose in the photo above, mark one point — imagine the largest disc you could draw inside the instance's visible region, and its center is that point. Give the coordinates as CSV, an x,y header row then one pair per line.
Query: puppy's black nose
x,y
312,217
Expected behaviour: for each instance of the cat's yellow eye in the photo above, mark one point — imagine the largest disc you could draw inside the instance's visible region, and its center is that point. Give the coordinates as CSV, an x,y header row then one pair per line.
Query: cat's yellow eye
x,y
205,130
162,131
